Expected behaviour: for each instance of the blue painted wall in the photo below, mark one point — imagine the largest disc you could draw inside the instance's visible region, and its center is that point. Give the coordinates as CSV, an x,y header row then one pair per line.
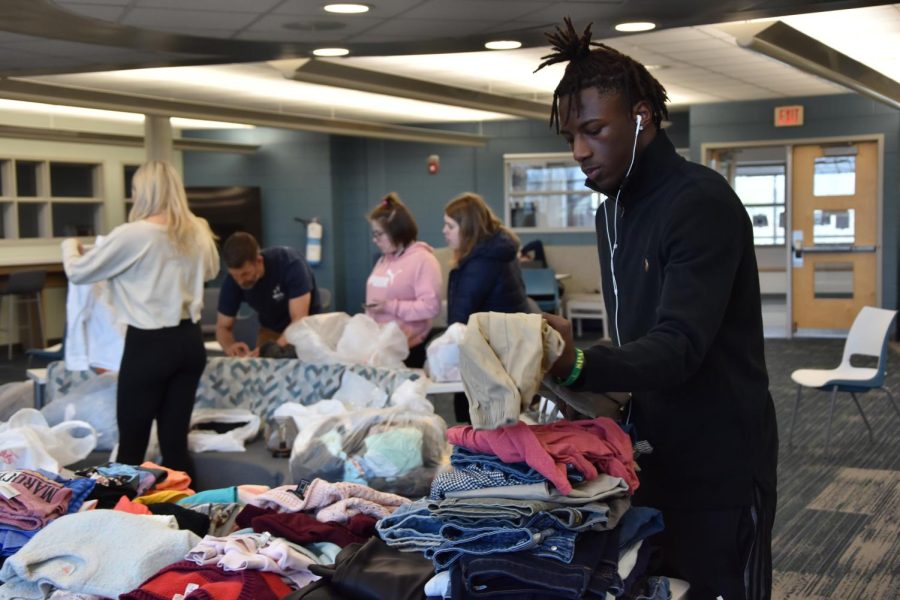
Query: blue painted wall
x,y
292,170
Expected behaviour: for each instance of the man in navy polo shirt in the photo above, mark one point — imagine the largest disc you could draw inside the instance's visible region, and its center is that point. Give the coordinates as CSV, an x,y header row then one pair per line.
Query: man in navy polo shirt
x,y
276,282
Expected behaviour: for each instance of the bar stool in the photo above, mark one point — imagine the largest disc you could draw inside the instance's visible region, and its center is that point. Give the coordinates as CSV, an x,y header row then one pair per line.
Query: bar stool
x,y
26,286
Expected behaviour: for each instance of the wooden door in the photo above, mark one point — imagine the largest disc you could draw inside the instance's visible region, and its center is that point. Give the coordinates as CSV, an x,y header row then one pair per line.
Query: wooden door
x,y
834,237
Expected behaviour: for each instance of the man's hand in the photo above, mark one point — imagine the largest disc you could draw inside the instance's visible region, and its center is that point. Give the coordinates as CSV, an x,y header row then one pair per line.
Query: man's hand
x,y
238,350
563,365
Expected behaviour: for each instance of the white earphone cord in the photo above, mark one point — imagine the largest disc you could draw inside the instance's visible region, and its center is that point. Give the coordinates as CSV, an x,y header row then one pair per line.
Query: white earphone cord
x,y
613,242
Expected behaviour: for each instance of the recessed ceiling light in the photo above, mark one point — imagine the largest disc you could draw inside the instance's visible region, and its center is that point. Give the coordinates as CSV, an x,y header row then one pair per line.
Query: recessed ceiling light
x,y
635,26
503,45
331,52
346,9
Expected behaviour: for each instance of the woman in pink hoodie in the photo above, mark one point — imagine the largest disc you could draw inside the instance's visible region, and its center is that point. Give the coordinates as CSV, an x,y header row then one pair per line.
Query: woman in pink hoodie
x,y
405,284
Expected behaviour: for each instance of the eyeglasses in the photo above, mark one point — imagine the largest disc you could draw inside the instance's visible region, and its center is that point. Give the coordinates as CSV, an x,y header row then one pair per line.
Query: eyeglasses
x,y
376,235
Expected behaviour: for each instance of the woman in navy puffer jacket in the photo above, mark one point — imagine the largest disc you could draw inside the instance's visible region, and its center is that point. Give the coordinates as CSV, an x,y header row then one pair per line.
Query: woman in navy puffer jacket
x,y
485,275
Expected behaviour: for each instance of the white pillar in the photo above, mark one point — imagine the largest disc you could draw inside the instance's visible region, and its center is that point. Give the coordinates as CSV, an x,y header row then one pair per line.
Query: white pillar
x,y
158,138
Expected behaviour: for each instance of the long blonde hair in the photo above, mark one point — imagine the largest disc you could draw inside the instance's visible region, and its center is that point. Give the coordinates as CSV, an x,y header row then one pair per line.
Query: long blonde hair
x,y
477,222
157,189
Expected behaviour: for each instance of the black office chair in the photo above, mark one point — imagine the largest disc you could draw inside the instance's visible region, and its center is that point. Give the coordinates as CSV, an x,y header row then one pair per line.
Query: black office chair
x,y
27,286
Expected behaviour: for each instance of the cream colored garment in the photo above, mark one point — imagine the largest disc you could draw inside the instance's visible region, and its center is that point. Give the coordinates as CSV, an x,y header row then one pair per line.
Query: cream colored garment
x,y
502,359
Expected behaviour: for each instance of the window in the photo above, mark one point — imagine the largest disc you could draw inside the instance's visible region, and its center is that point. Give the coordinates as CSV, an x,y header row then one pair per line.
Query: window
x,y
546,192
761,188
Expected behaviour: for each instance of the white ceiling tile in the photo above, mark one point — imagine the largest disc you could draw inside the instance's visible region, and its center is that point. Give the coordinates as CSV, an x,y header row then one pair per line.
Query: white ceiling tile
x,y
256,6
425,27
474,10
380,9
104,12
102,2
155,18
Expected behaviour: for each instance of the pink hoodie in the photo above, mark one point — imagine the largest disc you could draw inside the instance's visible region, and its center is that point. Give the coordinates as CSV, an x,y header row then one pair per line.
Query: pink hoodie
x,y
409,285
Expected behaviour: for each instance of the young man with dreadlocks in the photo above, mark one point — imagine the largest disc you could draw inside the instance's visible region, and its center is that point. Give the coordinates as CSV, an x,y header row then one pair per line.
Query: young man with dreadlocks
x,y
682,290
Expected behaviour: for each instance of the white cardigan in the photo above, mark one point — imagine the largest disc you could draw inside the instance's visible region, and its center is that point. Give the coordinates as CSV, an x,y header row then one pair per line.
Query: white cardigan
x,y
151,284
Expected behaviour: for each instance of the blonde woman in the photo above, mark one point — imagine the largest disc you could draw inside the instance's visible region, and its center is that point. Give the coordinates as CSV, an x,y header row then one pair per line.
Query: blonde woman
x,y
156,265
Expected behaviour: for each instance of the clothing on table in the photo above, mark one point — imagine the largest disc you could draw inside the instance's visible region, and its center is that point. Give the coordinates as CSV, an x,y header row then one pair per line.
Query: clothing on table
x,y
221,516
600,489
287,276
372,571
255,551
469,478
151,285
211,583
185,517
463,457
29,500
488,279
502,360
162,496
171,479
408,285
591,573
227,495
586,445
332,501
303,528
596,516
81,488
58,557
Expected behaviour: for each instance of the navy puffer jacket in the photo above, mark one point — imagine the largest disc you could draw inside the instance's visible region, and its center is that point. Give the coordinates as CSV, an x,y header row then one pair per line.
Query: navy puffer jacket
x,y
488,279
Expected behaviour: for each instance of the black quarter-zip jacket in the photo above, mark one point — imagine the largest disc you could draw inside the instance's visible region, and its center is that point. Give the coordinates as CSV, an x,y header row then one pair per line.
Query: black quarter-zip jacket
x,y
691,348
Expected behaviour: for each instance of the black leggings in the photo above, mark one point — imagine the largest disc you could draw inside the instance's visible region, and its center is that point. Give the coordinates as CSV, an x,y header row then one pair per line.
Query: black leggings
x,y
158,380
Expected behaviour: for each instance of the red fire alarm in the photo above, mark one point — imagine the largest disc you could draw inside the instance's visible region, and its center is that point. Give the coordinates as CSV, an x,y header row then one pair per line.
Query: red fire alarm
x,y
434,164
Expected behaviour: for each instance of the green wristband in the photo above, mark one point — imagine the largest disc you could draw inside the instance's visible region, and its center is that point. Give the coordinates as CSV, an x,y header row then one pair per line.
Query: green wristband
x,y
576,368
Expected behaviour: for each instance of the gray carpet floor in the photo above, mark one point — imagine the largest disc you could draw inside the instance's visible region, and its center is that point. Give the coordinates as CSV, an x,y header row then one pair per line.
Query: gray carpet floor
x,y
837,529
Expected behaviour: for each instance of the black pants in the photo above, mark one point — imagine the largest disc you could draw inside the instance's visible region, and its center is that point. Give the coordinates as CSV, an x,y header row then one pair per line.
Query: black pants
x,y
158,380
726,552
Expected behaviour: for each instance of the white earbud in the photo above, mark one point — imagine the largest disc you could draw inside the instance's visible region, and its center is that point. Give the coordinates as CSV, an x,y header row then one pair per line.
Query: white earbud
x,y
613,241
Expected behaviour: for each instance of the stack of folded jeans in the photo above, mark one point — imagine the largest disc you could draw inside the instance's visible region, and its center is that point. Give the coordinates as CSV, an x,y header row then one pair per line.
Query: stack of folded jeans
x,y
498,529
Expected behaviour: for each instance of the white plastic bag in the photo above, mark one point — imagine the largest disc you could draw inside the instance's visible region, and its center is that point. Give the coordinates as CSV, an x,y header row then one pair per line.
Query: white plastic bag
x,y
200,440
443,354
14,397
94,401
366,342
316,337
358,392
337,337
27,442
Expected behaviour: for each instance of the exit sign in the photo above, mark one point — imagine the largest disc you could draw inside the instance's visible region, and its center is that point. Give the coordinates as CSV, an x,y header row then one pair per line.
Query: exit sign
x,y
789,116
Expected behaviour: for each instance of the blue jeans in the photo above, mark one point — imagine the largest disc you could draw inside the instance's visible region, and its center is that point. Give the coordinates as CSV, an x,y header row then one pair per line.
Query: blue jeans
x,y
591,574
411,527
639,523
540,537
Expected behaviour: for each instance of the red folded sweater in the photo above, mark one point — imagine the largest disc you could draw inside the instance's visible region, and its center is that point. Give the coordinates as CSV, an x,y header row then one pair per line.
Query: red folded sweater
x,y
215,584
587,445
